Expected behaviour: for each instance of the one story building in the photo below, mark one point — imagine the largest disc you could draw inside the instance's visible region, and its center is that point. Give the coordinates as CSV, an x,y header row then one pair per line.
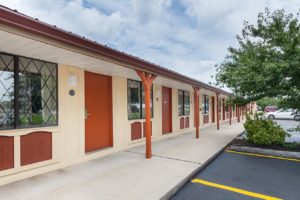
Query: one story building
x,y
65,99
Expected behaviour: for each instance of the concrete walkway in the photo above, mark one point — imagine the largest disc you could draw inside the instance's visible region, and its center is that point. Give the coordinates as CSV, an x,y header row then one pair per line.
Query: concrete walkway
x,y
127,174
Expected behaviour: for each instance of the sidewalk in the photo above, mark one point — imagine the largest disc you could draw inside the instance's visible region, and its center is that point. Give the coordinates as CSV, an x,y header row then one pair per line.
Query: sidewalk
x,y
127,174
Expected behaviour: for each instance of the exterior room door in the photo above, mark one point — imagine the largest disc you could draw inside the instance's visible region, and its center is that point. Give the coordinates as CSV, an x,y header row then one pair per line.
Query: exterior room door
x,y
213,109
223,108
166,110
98,111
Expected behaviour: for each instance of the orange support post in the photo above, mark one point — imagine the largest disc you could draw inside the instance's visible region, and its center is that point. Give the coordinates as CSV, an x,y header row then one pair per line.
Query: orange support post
x,y
196,104
230,114
147,80
218,117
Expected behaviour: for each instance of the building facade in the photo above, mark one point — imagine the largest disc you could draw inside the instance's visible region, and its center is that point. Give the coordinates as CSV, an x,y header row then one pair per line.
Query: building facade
x,y
65,99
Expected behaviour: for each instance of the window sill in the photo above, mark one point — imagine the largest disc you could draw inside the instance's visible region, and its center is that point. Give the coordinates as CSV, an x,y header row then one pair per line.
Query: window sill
x,y
24,131
132,142
138,120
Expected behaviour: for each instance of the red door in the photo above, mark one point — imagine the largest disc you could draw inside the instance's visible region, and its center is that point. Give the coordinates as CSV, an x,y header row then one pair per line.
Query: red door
x,y
98,111
223,108
166,110
213,109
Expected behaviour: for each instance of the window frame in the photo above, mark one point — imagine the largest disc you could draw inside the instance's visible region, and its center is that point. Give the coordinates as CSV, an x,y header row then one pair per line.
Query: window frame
x,y
141,87
183,102
16,79
205,104
226,106
220,106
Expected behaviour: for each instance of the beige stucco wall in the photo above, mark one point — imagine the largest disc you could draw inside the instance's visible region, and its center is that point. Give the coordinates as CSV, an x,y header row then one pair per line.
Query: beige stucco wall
x,y
157,117
211,93
69,136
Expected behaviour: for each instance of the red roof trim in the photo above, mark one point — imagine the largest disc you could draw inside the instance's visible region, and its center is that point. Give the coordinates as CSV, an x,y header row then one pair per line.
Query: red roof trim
x,y
26,23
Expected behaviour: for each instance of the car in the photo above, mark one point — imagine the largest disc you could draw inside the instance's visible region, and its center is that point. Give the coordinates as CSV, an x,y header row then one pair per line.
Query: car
x,y
283,114
271,108
297,115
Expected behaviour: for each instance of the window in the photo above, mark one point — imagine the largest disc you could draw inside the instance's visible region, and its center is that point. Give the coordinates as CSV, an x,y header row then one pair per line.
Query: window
x,y
180,102
28,92
183,102
205,104
136,100
7,108
226,106
186,103
286,110
220,106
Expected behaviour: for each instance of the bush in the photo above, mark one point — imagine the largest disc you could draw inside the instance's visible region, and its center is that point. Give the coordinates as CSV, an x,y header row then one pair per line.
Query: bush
x,y
292,145
260,113
264,131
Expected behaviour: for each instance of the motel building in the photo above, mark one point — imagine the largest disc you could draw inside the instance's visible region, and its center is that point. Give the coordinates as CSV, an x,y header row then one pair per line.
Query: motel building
x,y
65,99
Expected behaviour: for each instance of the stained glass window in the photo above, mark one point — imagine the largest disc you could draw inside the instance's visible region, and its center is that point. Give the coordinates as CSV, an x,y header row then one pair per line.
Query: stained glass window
x,y
28,92
7,98
37,93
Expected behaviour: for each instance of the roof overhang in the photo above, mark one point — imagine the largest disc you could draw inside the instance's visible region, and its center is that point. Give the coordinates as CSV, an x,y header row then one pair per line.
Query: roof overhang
x,y
18,44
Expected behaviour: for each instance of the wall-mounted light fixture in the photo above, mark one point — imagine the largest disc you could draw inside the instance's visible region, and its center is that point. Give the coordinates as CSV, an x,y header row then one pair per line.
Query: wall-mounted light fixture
x,y
72,80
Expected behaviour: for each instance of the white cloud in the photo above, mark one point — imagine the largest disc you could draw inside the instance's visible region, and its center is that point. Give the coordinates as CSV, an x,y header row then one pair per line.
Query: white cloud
x,y
188,36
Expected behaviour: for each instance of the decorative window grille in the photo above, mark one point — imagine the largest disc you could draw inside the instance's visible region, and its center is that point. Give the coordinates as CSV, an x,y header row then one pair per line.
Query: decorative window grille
x,y
28,92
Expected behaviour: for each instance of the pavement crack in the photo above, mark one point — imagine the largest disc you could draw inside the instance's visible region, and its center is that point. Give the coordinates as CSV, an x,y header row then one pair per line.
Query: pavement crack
x,y
153,155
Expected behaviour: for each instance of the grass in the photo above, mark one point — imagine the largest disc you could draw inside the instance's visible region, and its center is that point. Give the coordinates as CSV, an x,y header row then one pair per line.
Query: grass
x,y
36,119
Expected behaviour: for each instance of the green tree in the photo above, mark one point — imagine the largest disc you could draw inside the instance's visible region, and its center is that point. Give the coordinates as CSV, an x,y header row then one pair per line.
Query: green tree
x,y
267,101
267,61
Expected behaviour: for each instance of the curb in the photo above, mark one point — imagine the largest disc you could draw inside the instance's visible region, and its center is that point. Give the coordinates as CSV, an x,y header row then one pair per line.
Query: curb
x,y
269,152
176,188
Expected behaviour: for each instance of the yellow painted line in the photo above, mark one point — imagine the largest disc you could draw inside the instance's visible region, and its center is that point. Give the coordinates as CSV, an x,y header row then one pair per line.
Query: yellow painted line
x,y
264,156
236,190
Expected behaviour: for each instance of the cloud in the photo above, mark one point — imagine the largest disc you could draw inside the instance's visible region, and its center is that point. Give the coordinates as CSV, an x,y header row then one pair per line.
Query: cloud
x,y
188,36
73,16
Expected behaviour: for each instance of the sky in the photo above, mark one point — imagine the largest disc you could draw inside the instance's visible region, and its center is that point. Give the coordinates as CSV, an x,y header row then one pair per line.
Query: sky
x,y
187,36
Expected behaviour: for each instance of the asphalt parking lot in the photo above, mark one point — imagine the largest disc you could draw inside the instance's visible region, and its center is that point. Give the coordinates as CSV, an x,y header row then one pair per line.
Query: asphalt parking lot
x,y
238,176
287,124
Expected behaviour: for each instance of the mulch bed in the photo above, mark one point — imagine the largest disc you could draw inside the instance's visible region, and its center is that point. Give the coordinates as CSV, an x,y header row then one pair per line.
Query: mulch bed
x,y
244,143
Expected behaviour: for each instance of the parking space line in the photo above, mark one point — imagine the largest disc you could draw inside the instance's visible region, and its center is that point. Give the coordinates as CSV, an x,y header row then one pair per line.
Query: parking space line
x,y
236,190
264,156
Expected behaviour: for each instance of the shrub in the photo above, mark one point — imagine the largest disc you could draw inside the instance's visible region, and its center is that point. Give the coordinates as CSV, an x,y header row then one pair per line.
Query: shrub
x,y
292,145
260,113
264,131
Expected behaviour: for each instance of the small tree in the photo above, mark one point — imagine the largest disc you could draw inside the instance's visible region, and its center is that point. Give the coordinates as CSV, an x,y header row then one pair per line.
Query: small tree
x,y
267,101
267,61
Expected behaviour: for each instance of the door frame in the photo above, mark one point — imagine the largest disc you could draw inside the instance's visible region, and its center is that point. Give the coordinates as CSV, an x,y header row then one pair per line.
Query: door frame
x,y
111,137
223,110
213,119
170,108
